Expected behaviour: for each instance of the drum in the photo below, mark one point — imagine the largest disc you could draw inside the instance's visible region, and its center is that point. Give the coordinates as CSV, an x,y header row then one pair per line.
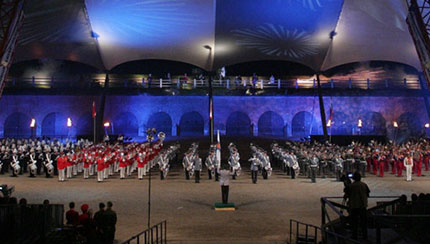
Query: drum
x,y
50,168
16,168
33,167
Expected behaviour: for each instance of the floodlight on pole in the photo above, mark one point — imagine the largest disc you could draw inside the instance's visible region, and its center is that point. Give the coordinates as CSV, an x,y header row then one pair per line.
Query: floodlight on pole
x,y
329,123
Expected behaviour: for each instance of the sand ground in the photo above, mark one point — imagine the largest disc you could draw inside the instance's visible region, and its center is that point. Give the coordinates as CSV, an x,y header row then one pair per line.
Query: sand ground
x,y
263,209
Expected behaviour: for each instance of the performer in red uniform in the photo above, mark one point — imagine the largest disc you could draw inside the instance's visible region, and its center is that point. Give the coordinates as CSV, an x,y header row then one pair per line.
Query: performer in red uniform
x,y
122,165
375,160
100,167
382,162
68,162
426,160
400,165
85,160
140,164
418,164
61,167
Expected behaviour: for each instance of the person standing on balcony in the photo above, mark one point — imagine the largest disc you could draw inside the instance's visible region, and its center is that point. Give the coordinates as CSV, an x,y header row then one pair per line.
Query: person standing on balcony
x,y
149,80
254,80
357,193
272,79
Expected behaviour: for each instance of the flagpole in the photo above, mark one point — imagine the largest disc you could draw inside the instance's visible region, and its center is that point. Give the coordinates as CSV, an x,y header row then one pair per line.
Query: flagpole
x,y
94,129
94,115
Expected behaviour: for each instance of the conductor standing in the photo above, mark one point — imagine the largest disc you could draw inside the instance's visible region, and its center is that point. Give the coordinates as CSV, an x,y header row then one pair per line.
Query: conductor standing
x,y
224,182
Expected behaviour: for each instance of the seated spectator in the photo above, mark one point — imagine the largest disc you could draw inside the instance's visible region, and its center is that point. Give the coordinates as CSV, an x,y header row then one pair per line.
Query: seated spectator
x,y
72,217
46,202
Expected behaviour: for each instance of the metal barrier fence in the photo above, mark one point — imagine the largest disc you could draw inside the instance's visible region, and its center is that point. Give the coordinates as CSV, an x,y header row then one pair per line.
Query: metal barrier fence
x,y
155,234
28,223
307,233
181,83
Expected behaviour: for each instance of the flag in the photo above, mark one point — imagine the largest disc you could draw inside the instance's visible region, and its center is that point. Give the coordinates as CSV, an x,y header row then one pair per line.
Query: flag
x,y
331,113
94,110
218,150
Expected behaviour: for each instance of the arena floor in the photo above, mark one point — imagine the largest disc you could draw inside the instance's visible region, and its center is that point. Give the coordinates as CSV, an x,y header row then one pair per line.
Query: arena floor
x,y
264,209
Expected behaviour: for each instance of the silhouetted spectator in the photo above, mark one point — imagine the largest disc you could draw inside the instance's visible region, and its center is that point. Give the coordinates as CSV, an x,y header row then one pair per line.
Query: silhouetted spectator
x,y
110,216
13,200
414,197
23,202
357,193
46,202
99,218
72,216
84,216
90,229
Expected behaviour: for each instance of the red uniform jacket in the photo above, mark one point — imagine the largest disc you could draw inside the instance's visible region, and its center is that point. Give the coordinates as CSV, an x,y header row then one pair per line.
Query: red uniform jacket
x,y
60,163
100,164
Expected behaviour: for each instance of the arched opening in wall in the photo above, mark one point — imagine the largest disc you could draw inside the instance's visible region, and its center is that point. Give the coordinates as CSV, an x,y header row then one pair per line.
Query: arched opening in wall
x,y
271,124
17,125
341,124
238,124
410,126
304,124
192,124
161,121
373,124
84,127
126,124
54,125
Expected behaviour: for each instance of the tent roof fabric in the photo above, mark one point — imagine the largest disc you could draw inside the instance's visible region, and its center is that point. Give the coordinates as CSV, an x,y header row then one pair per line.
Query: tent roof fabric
x,y
214,33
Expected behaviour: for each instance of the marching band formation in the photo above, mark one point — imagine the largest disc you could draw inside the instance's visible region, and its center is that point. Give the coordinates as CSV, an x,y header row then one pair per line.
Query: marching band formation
x,y
70,159
312,159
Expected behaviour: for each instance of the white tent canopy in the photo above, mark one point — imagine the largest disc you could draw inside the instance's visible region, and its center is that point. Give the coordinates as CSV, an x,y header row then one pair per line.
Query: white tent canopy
x,y
214,33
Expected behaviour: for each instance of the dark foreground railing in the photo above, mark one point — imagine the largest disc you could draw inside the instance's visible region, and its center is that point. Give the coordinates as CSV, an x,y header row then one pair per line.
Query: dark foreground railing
x,y
28,223
307,233
155,234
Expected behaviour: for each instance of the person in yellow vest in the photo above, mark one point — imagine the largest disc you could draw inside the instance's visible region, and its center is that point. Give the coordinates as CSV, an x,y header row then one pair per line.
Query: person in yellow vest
x,y
409,163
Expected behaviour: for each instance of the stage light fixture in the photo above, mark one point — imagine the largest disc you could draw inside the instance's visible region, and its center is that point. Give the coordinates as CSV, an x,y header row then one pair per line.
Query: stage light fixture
x,y
360,123
106,124
395,124
329,123
427,125
33,123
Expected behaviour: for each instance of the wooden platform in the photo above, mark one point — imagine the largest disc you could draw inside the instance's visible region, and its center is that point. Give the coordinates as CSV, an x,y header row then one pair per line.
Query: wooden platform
x,y
224,207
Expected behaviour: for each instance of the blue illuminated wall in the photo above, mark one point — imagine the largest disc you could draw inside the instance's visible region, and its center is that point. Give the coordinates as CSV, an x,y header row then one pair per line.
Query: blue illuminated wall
x,y
281,116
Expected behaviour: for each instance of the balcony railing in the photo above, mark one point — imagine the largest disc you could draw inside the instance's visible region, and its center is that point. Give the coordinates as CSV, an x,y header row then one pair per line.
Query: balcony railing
x,y
181,83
